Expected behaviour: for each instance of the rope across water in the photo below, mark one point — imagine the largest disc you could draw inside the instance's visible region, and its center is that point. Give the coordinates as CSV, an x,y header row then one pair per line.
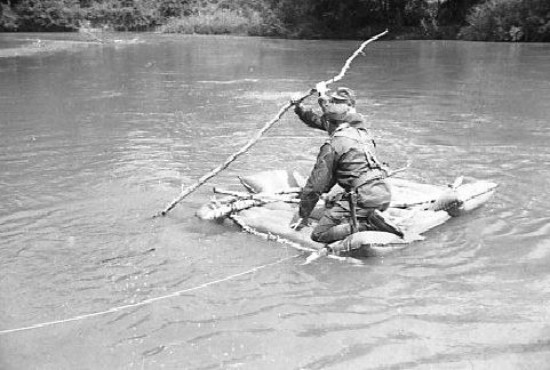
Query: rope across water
x,y
192,188
147,301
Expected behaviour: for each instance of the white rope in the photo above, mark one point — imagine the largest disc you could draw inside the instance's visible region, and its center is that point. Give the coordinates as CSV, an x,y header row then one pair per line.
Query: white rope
x,y
147,301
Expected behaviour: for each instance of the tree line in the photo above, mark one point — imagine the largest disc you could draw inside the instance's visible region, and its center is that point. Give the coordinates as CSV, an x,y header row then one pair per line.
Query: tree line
x,y
484,20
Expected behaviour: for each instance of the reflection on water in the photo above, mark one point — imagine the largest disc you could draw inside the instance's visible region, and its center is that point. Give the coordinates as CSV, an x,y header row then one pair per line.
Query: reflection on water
x,y
95,142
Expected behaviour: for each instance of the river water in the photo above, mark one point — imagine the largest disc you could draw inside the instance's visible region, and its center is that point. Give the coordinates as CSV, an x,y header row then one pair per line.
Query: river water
x,y
96,140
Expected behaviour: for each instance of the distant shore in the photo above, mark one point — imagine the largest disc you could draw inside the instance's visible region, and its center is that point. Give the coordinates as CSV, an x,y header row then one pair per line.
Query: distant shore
x,y
42,47
38,45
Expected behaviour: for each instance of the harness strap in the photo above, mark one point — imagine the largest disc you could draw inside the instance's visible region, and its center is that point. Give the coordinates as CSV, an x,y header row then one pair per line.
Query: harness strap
x,y
362,138
352,199
367,178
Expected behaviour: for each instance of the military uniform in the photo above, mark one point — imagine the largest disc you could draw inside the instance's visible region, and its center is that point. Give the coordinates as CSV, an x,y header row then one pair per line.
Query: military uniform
x,y
348,159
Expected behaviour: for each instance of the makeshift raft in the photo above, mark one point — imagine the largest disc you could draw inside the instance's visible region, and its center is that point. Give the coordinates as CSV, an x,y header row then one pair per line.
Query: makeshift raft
x,y
269,200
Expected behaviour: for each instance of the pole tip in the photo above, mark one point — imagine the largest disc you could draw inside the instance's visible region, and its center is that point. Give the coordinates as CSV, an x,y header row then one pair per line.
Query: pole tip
x,y
161,213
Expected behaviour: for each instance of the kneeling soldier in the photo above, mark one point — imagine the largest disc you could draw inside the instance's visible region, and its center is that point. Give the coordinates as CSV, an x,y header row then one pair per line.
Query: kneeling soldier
x,y
348,159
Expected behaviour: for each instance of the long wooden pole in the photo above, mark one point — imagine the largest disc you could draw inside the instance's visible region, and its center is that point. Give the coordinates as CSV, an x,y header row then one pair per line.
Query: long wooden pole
x,y
185,192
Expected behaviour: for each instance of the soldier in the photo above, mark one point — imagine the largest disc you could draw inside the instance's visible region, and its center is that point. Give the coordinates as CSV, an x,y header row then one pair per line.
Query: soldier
x,y
347,158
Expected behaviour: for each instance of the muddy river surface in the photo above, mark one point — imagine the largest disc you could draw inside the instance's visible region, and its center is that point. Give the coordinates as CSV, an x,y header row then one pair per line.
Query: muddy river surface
x,y
95,140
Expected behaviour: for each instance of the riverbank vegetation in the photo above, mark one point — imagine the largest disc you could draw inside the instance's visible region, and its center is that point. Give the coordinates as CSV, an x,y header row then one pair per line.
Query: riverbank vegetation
x,y
484,20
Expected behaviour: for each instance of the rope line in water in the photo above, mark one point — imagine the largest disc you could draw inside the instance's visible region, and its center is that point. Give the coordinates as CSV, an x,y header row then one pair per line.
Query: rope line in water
x,y
147,301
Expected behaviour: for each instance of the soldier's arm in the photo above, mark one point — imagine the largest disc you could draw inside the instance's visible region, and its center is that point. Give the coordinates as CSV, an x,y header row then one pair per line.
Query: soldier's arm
x,y
310,118
320,180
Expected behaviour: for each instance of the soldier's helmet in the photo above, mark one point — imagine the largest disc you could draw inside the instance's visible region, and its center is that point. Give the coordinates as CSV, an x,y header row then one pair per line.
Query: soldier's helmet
x,y
343,95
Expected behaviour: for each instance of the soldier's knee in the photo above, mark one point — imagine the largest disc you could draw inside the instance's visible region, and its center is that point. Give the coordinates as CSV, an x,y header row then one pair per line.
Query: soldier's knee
x,y
332,234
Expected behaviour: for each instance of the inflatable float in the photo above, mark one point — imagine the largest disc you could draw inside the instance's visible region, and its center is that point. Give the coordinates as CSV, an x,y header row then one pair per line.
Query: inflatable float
x,y
268,201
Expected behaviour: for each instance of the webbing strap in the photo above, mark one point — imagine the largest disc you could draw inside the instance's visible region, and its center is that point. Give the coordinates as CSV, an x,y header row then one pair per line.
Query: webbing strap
x,y
362,138
352,199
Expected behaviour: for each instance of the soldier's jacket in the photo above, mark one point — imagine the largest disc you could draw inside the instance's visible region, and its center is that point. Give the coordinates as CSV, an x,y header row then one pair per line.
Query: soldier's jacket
x,y
348,159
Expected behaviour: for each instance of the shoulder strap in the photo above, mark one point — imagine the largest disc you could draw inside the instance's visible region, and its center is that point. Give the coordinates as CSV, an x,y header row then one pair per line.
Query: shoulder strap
x,y
362,137
354,133
345,130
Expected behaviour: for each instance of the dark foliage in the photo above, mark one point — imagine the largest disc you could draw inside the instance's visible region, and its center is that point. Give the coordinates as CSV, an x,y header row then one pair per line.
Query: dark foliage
x,y
506,20
509,20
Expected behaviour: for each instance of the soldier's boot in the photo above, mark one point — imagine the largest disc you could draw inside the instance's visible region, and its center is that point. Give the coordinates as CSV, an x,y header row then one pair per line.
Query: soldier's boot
x,y
380,223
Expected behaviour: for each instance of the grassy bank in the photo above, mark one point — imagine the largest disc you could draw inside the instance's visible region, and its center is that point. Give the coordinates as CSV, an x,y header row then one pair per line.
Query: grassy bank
x,y
217,22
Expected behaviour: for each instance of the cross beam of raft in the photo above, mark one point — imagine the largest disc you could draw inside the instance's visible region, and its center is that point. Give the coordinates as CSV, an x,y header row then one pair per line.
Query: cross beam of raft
x,y
185,192
281,197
